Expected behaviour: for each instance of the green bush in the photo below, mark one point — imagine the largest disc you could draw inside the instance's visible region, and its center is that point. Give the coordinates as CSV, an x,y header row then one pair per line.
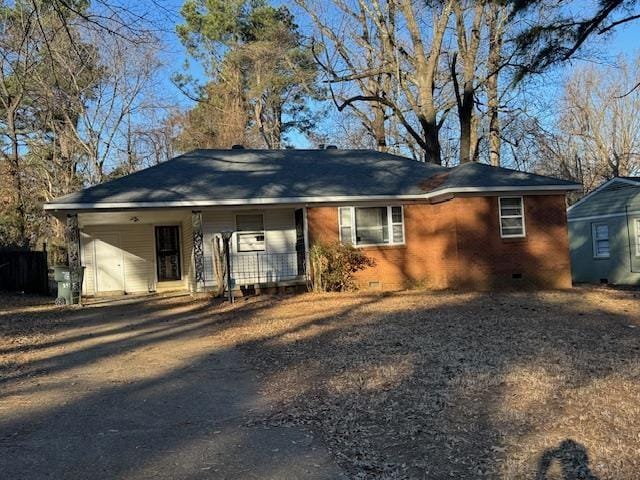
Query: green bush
x,y
333,266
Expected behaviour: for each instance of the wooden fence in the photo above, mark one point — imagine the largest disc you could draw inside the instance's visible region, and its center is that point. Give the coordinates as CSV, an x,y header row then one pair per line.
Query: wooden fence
x,y
24,271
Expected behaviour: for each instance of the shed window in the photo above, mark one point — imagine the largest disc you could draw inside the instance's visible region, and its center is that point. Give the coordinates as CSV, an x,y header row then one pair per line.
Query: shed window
x,y
371,225
600,233
637,237
511,217
250,236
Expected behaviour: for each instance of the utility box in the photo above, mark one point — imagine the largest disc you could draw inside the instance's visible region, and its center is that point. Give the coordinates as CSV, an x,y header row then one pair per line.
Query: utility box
x,y
62,275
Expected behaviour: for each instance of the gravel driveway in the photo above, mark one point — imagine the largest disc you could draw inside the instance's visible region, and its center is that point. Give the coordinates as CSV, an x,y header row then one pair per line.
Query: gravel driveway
x,y
137,390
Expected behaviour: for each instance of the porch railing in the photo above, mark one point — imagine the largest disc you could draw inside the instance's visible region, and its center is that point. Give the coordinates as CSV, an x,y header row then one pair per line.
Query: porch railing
x,y
266,268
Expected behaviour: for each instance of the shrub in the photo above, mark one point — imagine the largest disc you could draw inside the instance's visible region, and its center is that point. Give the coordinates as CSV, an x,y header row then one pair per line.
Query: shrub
x,y
333,266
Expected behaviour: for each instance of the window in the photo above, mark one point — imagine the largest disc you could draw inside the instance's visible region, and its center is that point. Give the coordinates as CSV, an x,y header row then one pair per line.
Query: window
x,y
511,217
168,253
346,230
637,237
250,236
600,233
371,225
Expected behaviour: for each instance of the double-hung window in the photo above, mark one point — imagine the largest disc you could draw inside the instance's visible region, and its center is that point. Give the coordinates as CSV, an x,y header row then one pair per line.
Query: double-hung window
x,y
511,217
371,225
637,222
600,234
250,232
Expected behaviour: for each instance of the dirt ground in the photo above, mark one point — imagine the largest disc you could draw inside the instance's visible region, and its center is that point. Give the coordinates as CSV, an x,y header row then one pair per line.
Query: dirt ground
x,y
138,390
412,384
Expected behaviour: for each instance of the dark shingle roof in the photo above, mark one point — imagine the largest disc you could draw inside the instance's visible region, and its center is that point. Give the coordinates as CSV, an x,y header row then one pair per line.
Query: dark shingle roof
x,y
223,175
610,198
481,175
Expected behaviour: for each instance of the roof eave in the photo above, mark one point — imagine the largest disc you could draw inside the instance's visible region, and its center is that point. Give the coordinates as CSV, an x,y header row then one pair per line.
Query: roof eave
x,y
53,207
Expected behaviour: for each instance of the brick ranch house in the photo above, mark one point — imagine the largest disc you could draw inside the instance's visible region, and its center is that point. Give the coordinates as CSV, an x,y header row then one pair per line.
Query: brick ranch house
x,y
473,226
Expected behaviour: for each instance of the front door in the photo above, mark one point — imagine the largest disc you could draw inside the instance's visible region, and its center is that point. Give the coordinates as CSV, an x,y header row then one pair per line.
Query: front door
x,y
109,265
168,253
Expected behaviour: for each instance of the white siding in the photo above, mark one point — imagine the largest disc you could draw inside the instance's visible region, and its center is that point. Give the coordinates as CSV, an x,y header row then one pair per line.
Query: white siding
x,y
280,236
188,273
86,258
280,231
213,222
137,245
137,242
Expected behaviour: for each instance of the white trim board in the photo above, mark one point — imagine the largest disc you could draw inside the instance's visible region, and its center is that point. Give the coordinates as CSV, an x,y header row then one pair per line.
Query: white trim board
x,y
598,217
297,200
637,236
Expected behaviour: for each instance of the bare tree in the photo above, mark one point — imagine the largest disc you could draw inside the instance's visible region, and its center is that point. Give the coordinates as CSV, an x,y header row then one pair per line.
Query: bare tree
x,y
468,38
19,60
597,135
393,72
360,48
111,93
497,18
71,76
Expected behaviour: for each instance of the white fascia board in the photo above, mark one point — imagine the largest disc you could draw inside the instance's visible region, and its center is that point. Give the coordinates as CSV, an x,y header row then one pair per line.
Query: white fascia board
x,y
511,189
302,200
600,217
225,202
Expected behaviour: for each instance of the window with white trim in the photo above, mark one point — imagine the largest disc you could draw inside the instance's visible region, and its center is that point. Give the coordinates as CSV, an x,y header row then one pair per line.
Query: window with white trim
x,y
511,217
250,232
637,237
371,225
600,234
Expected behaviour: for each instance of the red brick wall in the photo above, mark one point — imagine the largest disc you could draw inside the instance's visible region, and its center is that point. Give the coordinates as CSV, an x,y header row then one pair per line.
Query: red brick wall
x,y
457,244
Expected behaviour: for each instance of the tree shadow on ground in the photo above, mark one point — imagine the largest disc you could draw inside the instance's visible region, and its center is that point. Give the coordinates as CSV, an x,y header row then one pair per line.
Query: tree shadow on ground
x,y
410,385
452,387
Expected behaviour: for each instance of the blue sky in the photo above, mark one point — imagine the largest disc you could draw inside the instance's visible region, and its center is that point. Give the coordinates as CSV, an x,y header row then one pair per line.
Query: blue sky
x,y
625,41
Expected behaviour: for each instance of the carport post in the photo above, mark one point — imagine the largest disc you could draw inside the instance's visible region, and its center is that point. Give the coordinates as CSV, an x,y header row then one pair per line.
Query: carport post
x,y
198,251
72,234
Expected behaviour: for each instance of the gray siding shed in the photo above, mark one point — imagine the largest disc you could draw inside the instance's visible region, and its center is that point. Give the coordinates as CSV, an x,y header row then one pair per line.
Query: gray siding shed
x,y
616,205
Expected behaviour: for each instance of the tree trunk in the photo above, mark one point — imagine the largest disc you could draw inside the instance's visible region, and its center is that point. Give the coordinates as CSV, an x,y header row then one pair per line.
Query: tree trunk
x,y
432,152
494,121
276,130
16,174
257,115
378,127
426,65
493,66
465,112
468,49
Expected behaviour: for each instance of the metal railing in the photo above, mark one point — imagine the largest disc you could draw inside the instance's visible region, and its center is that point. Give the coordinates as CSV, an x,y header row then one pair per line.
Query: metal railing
x,y
267,268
